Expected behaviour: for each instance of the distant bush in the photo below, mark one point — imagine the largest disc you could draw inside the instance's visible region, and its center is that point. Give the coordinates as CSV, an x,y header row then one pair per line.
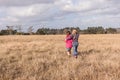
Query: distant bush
x,y
111,30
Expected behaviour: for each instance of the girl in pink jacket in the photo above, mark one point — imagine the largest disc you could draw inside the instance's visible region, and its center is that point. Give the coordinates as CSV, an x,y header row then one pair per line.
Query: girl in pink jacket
x,y
68,43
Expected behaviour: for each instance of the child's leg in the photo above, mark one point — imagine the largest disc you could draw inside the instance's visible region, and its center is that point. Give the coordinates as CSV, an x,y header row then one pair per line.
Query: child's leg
x,y
75,52
68,51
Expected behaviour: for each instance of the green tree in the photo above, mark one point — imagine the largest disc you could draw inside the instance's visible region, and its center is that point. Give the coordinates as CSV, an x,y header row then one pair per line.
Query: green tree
x,y
40,31
92,30
111,30
6,32
100,30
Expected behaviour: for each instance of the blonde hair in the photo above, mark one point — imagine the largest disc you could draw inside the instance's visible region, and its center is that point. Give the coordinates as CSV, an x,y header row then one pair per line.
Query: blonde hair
x,y
74,31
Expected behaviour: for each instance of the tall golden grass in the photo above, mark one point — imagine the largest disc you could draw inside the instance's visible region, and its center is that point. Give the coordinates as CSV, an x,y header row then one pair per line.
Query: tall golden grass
x,y
45,58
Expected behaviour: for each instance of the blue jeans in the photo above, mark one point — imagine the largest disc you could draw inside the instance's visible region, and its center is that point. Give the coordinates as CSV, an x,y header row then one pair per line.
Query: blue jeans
x,y
75,47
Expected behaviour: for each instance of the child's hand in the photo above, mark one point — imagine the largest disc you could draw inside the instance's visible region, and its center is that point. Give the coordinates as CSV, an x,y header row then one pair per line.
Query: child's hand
x,y
65,39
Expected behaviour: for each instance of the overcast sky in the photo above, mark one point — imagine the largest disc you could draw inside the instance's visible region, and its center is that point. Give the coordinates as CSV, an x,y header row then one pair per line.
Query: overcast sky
x,y
60,13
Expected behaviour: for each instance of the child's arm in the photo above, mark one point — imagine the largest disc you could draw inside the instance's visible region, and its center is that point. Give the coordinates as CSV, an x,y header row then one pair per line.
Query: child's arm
x,y
69,38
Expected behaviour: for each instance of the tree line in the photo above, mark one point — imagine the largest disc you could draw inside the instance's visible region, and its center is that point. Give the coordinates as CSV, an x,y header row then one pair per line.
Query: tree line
x,y
17,30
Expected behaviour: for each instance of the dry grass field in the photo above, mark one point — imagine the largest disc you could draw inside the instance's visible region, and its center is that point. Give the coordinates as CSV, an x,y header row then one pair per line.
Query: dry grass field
x,y
44,58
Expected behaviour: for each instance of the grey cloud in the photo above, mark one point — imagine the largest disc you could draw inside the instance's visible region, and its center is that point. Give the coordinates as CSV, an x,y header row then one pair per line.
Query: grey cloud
x,y
7,3
105,5
55,14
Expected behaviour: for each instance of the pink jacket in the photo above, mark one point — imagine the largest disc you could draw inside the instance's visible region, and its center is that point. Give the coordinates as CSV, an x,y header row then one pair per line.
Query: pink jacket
x,y
68,42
